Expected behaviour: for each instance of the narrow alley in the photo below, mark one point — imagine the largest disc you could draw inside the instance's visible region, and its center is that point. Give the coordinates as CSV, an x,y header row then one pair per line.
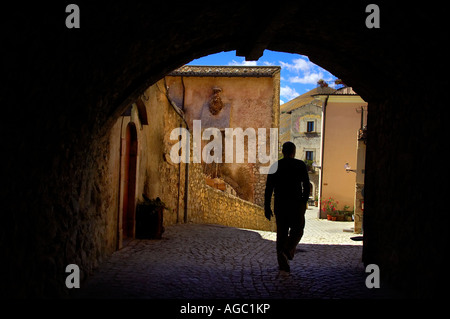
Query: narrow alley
x,y
198,261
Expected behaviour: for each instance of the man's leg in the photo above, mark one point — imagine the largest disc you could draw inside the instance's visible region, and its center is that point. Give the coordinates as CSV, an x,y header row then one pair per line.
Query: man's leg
x,y
295,234
282,241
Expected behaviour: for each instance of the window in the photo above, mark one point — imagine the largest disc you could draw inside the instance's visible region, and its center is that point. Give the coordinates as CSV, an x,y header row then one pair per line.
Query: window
x,y
310,126
309,155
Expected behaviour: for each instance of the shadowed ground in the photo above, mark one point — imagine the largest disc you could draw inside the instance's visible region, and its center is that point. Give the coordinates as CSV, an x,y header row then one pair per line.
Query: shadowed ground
x,y
209,261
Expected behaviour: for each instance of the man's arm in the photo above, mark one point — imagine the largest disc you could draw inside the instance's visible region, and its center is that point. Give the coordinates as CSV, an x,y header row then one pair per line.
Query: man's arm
x,y
305,181
268,196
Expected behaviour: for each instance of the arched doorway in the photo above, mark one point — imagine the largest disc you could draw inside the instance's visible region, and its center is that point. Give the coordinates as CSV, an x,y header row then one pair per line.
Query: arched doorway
x,y
129,173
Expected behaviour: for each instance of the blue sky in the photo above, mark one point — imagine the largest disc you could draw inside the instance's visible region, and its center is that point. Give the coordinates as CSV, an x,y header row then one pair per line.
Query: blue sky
x,y
298,74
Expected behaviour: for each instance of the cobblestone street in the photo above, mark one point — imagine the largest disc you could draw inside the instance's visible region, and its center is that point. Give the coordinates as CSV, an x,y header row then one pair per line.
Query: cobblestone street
x,y
209,261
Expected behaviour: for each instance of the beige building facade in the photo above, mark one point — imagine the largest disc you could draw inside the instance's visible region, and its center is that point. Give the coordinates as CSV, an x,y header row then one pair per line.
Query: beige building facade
x,y
343,150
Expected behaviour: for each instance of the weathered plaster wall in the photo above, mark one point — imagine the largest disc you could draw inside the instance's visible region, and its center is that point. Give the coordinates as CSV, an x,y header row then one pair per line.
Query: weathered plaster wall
x,y
164,179
249,102
154,177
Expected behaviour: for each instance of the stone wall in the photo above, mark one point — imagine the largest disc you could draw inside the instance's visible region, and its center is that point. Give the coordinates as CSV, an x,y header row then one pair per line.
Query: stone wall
x,y
403,232
212,206
259,185
358,208
228,210
196,194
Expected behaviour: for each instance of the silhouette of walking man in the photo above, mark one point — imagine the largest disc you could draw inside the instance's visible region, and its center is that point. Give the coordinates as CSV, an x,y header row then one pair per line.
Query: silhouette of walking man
x,y
288,179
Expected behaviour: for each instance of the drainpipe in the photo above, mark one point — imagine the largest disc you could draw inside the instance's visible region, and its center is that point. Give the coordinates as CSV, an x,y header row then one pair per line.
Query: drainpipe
x,y
324,108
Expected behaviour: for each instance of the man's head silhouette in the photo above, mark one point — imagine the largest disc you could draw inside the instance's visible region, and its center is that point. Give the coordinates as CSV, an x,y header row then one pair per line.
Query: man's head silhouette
x,y
288,149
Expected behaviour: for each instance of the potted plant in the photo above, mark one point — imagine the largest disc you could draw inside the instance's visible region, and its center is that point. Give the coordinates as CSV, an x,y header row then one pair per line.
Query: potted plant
x,y
333,216
316,201
149,218
347,214
340,216
329,206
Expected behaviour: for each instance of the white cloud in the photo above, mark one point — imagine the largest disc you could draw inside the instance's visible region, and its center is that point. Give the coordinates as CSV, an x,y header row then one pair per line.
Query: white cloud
x,y
288,92
310,78
250,63
298,65
303,71
243,63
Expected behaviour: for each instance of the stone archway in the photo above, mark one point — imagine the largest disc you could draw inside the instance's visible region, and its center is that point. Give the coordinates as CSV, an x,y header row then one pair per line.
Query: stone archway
x,y
75,83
